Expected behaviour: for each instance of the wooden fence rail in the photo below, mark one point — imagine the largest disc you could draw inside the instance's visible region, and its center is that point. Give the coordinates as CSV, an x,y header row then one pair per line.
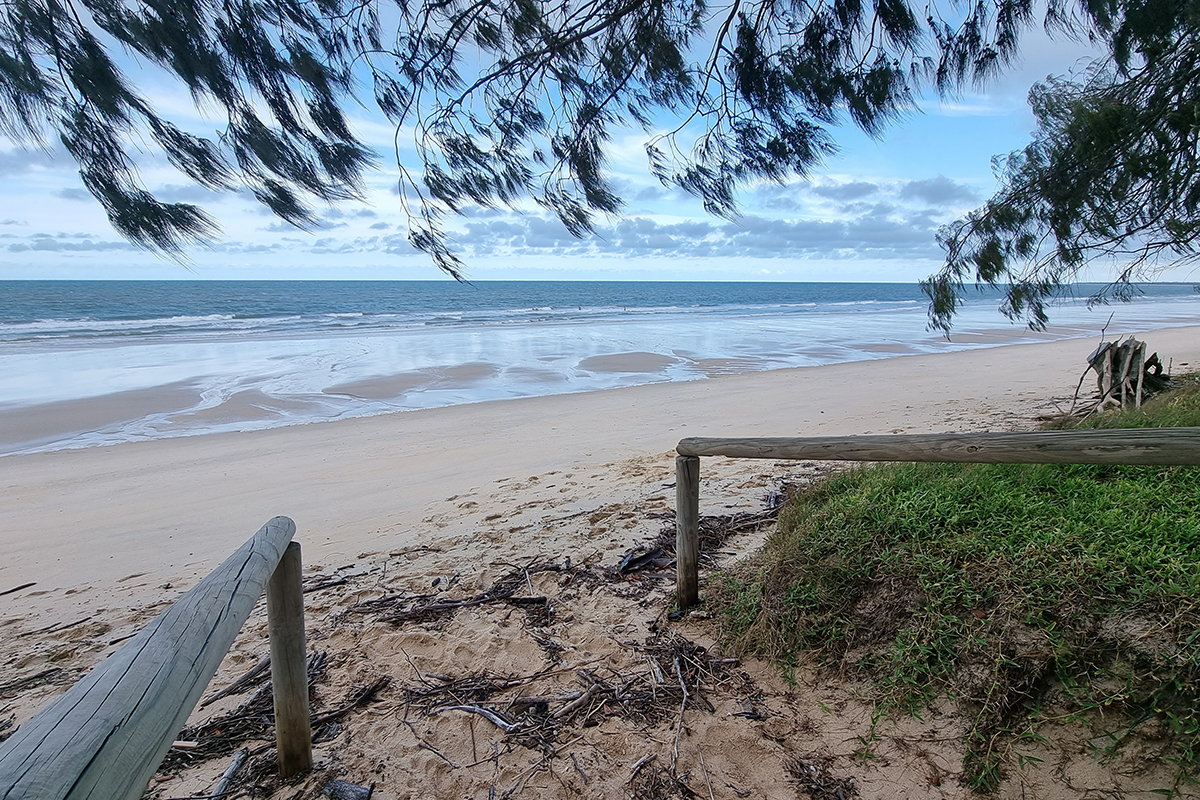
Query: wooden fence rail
x,y
1161,446
105,737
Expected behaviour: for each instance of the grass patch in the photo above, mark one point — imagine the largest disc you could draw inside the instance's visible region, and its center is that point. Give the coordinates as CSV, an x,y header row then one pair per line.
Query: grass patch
x,y
1006,587
1177,408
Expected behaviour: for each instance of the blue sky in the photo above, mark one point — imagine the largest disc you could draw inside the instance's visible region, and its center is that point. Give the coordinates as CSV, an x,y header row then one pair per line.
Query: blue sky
x,y
870,214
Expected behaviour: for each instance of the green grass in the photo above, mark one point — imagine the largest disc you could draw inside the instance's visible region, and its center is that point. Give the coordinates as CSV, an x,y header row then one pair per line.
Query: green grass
x,y
995,584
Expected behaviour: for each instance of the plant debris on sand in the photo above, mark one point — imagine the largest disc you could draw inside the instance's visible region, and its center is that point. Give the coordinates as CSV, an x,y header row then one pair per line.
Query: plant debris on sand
x,y
516,729
1028,594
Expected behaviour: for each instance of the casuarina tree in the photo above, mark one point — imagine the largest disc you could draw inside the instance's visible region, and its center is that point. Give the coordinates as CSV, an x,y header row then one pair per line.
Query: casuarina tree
x,y
1111,176
503,100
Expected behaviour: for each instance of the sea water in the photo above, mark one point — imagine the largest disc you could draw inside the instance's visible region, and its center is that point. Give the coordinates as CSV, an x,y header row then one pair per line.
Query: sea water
x,y
242,355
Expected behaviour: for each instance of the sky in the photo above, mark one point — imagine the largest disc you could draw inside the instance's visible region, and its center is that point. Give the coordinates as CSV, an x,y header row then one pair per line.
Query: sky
x,y
869,213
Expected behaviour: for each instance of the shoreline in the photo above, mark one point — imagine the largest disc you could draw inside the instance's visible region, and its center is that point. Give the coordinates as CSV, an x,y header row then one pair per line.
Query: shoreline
x,y
94,388
173,507
183,408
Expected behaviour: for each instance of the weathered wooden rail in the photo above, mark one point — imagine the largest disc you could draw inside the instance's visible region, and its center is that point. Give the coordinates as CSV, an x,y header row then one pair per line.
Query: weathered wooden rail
x,y
105,737
1164,446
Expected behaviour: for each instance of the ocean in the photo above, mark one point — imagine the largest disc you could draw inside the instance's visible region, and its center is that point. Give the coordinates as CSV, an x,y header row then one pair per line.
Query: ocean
x,y
85,363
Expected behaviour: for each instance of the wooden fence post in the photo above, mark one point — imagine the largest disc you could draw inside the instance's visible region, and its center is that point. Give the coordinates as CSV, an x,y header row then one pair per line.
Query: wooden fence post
x,y
104,738
289,669
687,530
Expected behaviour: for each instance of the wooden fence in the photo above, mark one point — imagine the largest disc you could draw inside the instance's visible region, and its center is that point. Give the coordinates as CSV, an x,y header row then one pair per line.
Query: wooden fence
x,y
1165,446
106,736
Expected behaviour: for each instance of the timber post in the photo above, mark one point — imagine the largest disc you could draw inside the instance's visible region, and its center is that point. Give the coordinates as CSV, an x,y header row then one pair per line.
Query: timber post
x,y
289,669
687,530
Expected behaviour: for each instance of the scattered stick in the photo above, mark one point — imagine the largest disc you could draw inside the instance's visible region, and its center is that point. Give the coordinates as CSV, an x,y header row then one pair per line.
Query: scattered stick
x,y
705,769
425,746
573,706
524,776
421,743
239,760
327,583
656,671
359,698
682,706
419,611
5,724
637,766
573,516
539,700
248,679
54,628
18,588
386,602
490,716
421,548
578,769
45,676
224,733
659,553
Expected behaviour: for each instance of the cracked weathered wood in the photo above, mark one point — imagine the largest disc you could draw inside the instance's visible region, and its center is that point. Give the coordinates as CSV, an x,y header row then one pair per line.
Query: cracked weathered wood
x,y
106,736
1161,446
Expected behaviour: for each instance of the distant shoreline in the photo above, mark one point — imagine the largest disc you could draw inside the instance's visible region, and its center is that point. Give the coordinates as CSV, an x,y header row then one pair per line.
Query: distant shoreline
x,y
181,409
81,367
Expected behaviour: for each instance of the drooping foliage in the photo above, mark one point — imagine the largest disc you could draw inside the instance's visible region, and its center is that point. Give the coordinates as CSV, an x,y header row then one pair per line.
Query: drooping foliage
x,y
502,99
1110,177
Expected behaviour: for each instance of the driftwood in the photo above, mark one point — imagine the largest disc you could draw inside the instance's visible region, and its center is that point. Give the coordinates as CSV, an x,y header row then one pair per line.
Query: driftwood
x,y
1125,376
239,761
491,716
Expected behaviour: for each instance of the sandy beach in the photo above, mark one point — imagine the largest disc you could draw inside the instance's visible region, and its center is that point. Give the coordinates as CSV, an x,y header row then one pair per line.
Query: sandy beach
x,y
106,535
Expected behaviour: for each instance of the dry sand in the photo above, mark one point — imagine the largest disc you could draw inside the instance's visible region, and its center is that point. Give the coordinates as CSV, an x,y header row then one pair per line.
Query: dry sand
x,y
469,494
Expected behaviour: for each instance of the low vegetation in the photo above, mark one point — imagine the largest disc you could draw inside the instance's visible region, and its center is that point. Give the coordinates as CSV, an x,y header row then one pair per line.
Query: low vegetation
x,y
1021,592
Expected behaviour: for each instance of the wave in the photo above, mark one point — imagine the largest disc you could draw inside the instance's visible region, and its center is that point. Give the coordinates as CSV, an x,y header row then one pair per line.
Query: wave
x,y
128,313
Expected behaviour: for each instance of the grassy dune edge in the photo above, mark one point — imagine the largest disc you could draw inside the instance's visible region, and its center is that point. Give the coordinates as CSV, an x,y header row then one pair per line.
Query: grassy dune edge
x,y
1021,593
